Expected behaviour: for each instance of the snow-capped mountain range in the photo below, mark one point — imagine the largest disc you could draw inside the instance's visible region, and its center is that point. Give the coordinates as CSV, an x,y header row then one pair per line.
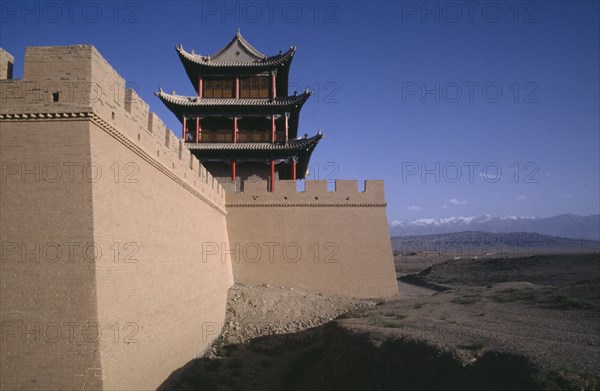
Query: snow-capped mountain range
x,y
567,225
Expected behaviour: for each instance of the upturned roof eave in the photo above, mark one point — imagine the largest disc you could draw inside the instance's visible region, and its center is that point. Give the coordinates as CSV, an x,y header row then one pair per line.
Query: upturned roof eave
x,y
292,146
199,62
185,103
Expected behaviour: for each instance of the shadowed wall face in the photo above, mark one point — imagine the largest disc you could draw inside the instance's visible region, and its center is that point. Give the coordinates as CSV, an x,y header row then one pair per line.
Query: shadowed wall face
x,y
335,243
166,303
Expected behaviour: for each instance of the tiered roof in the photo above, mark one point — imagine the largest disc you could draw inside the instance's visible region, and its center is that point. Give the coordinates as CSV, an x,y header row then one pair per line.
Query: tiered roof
x,y
288,102
302,148
292,146
240,58
238,54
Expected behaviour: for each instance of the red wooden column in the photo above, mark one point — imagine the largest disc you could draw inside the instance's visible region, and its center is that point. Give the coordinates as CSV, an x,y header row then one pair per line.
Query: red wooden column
x,y
294,169
287,127
200,83
237,86
272,177
235,129
273,84
273,128
198,129
183,131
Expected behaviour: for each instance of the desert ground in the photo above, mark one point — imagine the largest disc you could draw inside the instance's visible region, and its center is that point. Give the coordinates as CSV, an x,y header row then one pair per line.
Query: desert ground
x,y
510,323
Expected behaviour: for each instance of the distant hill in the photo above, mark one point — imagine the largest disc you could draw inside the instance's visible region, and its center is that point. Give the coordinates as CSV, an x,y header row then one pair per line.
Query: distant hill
x,y
565,226
476,243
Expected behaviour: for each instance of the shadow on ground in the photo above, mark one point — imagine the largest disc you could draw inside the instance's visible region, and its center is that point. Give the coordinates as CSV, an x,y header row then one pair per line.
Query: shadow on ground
x,y
333,357
490,324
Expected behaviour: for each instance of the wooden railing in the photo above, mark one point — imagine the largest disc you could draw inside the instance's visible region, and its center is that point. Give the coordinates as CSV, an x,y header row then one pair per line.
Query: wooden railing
x,y
243,137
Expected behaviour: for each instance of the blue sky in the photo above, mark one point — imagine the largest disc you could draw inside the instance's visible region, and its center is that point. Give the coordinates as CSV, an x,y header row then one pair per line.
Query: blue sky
x,y
464,108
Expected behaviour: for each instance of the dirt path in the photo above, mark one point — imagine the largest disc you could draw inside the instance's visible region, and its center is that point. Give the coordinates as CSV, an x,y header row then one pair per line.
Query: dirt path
x,y
410,291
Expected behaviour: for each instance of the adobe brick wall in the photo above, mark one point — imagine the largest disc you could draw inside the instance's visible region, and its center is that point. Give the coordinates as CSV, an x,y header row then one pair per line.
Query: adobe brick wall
x,y
113,235
47,278
140,204
335,243
158,291
244,171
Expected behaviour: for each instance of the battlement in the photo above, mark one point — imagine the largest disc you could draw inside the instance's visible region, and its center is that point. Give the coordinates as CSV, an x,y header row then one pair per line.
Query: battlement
x,y
6,65
77,83
190,236
316,193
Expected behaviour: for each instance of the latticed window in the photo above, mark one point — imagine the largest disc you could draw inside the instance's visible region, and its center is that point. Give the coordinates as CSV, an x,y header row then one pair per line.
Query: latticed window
x,y
218,88
254,87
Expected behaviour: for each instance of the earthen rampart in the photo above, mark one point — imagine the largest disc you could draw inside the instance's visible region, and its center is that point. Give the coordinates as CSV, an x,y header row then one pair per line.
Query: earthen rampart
x,y
102,212
334,242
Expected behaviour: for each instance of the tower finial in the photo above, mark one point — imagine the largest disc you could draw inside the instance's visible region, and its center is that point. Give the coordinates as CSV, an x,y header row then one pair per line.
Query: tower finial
x,y
238,32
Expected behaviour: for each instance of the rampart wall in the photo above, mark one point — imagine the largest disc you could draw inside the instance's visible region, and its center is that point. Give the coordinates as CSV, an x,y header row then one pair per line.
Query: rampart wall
x,y
103,213
332,242
117,245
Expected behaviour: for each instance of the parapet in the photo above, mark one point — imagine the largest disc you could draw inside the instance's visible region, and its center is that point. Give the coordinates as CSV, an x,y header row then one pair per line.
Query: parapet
x,y
6,65
316,193
77,83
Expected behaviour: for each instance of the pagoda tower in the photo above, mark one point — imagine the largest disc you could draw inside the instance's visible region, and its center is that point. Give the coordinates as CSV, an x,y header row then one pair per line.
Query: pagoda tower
x,y
241,123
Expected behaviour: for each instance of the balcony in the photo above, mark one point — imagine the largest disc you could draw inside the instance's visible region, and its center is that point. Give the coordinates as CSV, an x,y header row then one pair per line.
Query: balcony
x,y
226,136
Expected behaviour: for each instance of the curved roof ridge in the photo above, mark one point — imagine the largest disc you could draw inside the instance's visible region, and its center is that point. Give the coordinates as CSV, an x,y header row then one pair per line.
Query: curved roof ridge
x,y
246,46
275,60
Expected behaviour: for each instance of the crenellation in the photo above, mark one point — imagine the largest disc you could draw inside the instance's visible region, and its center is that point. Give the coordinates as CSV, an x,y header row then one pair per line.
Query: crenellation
x,y
351,222
58,63
173,143
314,187
156,124
185,156
374,187
138,109
176,198
258,186
285,187
85,81
349,187
346,193
191,161
6,65
150,121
